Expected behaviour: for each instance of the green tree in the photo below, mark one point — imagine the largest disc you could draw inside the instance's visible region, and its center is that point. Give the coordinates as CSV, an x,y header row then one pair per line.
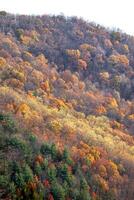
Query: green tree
x,y
66,156
84,193
53,151
58,191
27,173
52,172
37,169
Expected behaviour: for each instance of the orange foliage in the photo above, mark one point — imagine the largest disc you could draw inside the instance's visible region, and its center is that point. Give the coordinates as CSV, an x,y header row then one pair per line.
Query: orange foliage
x,y
82,64
91,95
131,117
39,159
23,109
58,103
32,186
86,152
30,95
45,86
101,110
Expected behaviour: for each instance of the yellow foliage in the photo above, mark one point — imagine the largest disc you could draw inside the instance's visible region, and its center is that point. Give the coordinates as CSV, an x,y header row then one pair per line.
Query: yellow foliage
x,y
41,60
25,39
90,158
102,171
112,103
131,117
125,48
2,62
12,73
103,185
55,126
73,53
104,75
119,59
100,182
34,35
23,109
112,168
29,38
90,153
84,47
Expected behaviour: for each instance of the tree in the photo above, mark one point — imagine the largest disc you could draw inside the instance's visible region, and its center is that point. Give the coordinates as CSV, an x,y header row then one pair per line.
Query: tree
x,y
53,151
84,190
27,173
66,156
52,172
8,123
57,191
38,169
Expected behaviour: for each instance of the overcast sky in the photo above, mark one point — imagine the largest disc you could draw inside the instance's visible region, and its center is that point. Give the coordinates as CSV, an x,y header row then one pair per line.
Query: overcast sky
x,y
110,13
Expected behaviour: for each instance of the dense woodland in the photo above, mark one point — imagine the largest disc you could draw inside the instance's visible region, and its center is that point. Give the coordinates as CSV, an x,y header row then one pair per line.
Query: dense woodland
x,y
66,110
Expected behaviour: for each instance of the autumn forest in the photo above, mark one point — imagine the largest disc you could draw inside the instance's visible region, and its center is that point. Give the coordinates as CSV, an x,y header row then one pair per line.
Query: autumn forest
x,y
66,110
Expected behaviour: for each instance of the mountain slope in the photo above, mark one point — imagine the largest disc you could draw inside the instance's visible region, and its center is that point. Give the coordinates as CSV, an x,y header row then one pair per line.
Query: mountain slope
x,y
66,110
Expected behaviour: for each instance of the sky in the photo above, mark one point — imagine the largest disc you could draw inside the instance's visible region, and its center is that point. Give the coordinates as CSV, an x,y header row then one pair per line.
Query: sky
x,y
109,13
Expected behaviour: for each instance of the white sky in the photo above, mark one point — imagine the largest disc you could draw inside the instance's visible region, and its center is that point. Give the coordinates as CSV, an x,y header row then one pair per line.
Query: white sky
x,y
110,13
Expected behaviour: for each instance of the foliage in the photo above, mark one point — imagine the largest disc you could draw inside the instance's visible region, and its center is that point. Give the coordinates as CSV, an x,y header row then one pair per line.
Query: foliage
x,y
66,110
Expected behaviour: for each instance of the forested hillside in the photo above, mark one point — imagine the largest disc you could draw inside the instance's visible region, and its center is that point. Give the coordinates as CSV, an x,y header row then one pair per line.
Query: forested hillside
x,y
66,110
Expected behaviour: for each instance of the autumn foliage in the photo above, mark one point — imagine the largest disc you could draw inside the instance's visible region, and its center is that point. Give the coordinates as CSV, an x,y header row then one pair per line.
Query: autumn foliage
x,y
66,110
